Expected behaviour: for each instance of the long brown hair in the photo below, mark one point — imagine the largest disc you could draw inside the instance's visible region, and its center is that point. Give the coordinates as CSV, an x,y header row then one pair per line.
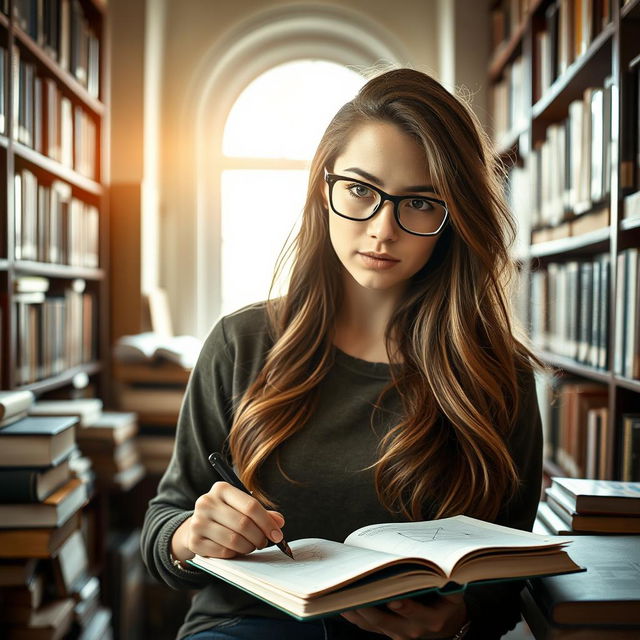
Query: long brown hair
x,y
461,352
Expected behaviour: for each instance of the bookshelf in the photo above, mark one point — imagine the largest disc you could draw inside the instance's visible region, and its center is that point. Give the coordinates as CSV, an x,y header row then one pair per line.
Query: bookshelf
x,y
54,243
565,86
54,235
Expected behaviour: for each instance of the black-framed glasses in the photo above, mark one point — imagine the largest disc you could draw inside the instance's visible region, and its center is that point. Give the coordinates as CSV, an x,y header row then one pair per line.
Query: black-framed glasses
x,y
357,200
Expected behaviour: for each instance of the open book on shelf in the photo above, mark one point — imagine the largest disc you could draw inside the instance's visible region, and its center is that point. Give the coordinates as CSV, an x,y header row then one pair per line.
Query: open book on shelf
x,y
383,562
151,347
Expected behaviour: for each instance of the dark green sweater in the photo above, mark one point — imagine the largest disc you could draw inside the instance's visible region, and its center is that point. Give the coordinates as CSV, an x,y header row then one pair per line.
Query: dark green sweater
x,y
333,495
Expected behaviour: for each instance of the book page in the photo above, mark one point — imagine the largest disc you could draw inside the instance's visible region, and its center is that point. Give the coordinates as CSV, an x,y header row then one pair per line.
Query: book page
x,y
444,541
319,565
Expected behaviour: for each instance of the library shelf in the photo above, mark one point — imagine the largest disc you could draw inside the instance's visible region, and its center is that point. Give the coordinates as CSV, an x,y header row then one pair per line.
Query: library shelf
x,y
51,270
62,379
627,383
627,224
567,364
58,169
631,10
506,52
62,76
591,67
593,241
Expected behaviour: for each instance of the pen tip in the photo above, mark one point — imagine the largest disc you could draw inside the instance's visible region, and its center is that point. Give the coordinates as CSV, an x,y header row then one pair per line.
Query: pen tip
x,y
286,548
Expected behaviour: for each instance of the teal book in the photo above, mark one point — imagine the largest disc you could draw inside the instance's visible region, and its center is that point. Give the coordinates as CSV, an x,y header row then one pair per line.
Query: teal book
x,y
383,562
37,441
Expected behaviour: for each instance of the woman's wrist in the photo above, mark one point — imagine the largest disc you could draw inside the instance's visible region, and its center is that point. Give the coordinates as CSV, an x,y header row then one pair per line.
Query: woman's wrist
x,y
178,549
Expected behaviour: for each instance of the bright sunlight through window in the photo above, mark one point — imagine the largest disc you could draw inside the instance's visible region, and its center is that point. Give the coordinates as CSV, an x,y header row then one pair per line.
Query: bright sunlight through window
x,y
280,116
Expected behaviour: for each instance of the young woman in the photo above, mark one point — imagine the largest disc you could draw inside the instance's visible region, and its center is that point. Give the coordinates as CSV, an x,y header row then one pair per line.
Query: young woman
x,y
390,383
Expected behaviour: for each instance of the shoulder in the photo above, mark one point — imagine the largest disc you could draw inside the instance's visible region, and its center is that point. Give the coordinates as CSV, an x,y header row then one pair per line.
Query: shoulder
x,y
242,335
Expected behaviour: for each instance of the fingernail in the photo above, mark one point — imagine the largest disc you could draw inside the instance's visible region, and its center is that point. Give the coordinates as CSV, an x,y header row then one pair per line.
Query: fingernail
x,y
276,535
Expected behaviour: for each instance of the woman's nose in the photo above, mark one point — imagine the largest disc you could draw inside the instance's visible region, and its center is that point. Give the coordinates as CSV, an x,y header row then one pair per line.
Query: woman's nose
x,y
383,225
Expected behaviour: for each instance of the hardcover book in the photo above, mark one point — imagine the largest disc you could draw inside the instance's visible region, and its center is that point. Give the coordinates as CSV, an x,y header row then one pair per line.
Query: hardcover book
x,y
383,562
37,441
600,496
595,523
52,512
608,593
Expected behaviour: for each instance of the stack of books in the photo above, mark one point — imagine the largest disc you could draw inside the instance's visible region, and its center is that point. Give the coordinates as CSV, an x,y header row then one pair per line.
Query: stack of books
x,y
110,441
580,505
601,603
106,438
41,502
151,373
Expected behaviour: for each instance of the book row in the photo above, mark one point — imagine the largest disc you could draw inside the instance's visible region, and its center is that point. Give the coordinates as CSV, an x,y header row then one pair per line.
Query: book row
x,y
630,142
569,309
55,331
45,119
506,18
61,30
570,171
577,431
509,103
626,361
51,225
569,27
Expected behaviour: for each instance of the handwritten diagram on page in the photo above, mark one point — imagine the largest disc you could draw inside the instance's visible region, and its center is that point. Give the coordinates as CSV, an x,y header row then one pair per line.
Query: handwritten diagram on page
x,y
454,538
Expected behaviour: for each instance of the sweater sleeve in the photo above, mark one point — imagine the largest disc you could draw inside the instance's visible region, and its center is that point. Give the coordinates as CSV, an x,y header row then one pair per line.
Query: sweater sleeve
x,y
494,609
203,425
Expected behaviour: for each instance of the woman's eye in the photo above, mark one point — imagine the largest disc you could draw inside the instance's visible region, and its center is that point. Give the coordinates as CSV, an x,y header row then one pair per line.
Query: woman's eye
x,y
359,191
420,204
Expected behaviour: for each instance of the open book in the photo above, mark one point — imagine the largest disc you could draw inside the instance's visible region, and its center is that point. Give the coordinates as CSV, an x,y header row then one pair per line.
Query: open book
x,y
151,347
384,562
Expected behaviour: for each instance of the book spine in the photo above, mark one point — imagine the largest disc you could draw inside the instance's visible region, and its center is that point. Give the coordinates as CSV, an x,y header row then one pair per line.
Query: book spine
x,y
18,486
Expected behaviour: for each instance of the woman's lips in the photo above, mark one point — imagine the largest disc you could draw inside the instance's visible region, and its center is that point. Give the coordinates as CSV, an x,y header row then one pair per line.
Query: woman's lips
x,y
378,260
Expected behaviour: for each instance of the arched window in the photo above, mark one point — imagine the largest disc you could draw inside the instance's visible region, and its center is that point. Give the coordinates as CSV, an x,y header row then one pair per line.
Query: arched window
x,y
269,138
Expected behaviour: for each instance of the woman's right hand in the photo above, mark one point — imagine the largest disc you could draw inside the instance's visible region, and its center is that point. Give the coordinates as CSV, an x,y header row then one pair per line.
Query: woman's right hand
x,y
226,522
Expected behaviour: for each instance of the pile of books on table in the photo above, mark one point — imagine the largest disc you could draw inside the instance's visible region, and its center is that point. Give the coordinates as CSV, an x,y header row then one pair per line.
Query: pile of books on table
x,y
579,506
602,603
47,588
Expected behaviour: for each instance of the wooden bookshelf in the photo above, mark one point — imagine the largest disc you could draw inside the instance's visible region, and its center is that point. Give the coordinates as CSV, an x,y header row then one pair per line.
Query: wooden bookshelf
x,y
60,236
580,287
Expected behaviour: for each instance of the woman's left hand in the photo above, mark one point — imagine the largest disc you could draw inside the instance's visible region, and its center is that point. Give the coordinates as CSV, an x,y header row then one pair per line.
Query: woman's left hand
x,y
408,619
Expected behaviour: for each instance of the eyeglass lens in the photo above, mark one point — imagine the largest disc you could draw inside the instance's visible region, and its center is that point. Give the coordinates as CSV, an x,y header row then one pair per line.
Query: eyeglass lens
x,y
357,201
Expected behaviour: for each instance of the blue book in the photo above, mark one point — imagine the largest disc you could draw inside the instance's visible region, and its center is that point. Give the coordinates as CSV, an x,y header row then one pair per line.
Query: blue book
x,y
37,441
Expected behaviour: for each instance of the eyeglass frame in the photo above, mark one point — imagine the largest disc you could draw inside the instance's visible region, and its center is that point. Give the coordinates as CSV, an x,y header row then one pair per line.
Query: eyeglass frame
x,y
332,178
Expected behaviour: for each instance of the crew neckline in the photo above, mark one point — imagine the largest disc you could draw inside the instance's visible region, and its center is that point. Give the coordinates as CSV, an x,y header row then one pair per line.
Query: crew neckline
x,y
365,367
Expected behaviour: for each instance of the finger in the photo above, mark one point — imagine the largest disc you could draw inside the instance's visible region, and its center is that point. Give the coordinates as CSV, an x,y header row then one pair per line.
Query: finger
x,y
228,539
278,518
354,617
211,509
253,510
247,515
433,617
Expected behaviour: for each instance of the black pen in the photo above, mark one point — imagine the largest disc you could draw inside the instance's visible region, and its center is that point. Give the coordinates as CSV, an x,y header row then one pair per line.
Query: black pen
x,y
228,475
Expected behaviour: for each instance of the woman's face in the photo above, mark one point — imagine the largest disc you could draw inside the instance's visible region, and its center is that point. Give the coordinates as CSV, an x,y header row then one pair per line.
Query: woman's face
x,y
377,253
